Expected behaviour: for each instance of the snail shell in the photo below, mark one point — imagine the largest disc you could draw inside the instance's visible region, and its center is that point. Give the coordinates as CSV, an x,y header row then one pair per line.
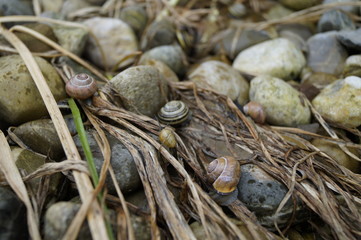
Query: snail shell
x,y
255,111
167,137
81,86
174,113
224,172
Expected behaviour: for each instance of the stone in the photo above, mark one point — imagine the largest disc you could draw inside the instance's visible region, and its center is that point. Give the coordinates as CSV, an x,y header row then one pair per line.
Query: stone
x,y
72,39
278,58
335,152
299,4
305,31
158,33
20,100
353,66
335,20
350,39
116,39
136,17
282,103
278,11
51,6
13,223
71,6
163,68
237,10
351,9
340,102
326,54
122,162
40,136
34,44
236,41
142,89
297,40
16,7
262,195
221,78
59,216
28,162
172,55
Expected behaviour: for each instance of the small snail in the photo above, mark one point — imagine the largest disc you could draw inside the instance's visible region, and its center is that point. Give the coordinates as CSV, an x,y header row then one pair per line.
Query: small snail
x,y
81,86
255,111
174,113
167,137
224,172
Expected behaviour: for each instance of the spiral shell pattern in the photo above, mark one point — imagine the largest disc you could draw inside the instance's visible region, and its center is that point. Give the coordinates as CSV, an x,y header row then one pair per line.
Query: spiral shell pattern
x,y
174,113
81,86
224,173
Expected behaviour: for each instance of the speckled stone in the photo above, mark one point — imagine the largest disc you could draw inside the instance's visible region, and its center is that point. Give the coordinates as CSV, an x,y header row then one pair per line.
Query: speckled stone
x,y
341,102
221,78
282,103
278,58
122,162
20,100
262,194
142,89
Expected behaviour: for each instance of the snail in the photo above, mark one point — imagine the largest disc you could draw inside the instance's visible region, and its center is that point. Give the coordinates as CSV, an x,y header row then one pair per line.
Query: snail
x,y
174,113
81,86
167,137
224,172
255,111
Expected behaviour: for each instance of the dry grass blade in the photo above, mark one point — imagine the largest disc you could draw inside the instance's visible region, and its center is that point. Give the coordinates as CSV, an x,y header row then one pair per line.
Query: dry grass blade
x,y
85,187
51,168
308,14
60,49
11,172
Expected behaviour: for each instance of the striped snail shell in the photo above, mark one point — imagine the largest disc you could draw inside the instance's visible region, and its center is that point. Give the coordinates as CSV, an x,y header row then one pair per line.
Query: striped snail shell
x,y
174,113
81,86
224,173
167,137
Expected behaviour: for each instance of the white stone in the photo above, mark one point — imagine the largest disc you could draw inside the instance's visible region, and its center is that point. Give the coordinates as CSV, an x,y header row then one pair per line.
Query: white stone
x,y
115,38
278,58
221,78
355,82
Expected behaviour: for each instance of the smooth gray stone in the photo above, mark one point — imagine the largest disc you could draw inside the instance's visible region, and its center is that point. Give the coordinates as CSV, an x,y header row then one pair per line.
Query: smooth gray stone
x,y
350,39
335,20
326,54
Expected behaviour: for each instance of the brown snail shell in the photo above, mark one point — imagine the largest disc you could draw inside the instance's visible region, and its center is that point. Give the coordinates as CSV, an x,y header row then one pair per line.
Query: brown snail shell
x,y
81,86
255,111
225,173
167,137
174,113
